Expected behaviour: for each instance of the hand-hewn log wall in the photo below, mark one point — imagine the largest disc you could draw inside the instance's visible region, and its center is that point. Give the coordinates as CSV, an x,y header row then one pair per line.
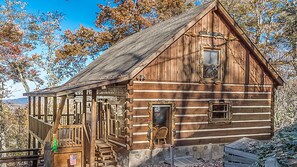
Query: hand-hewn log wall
x,y
176,76
251,111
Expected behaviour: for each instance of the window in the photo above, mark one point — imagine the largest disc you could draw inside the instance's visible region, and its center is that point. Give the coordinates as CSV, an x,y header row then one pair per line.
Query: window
x,y
211,64
116,118
160,115
219,112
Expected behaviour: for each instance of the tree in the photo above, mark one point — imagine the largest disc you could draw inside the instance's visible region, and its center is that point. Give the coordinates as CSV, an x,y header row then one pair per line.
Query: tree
x,y
46,29
114,22
288,38
15,44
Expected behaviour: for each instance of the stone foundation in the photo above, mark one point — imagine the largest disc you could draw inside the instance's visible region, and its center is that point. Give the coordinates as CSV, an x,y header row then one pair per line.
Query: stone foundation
x,y
156,156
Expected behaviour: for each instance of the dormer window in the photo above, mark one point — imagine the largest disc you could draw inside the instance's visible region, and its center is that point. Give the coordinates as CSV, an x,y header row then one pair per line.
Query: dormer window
x,y
211,63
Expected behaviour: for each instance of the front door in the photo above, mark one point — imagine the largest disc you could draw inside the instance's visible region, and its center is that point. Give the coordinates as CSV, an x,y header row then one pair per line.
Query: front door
x,y
162,124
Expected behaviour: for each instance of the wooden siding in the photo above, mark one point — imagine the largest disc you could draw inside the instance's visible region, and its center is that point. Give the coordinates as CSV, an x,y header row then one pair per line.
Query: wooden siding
x,y
251,111
175,76
182,60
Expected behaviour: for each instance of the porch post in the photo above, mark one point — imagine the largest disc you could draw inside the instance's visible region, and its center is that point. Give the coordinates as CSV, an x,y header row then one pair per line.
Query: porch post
x,y
84,103
39,107
34,106
83,110
54,108
29,106
68,121
93,128
45,109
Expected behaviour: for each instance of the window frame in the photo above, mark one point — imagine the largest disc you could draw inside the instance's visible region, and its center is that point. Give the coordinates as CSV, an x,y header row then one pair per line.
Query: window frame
x,y
117,133
171,123
212,79
228,118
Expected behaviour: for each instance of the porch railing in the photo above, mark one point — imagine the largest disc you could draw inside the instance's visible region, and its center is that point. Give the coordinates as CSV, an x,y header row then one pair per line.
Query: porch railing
x,y
39,127
70,135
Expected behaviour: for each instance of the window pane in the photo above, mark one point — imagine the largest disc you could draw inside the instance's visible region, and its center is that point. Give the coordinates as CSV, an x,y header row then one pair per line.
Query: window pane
x,y
206,57
160,116
210,71
210,57
219,115
210,64
220,107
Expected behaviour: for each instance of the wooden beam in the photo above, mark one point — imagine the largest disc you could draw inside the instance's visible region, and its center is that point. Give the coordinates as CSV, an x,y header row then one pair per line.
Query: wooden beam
x,y
54,108
39,107
45,109
34,106
93,128
29,140
34,142
68,121
59,114
75,112
29,105
84,103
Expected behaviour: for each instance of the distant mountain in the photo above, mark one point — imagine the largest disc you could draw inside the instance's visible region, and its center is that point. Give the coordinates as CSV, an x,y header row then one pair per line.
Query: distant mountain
x,y
20,101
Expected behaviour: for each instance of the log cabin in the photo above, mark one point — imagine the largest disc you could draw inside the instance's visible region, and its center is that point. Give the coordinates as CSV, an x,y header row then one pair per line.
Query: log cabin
x,y
193,80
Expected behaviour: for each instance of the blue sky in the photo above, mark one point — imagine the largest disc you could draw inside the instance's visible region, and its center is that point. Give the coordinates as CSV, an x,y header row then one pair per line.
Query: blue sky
x,y
77,12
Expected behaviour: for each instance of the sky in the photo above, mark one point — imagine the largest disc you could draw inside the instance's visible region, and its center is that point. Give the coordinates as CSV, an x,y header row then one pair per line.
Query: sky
x,y
77,12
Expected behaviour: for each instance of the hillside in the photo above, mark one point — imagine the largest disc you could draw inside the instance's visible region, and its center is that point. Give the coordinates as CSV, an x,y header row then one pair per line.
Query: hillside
x,y
19,101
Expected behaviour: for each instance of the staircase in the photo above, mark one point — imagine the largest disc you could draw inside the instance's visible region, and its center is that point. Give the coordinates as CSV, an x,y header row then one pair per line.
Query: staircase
x,y
105,155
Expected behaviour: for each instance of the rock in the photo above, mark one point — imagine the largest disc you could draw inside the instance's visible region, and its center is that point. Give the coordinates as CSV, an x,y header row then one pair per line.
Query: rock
x,y
271,162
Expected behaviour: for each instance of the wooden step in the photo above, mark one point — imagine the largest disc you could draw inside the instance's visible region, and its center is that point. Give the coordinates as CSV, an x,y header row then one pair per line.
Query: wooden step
x,y
104,157
108,162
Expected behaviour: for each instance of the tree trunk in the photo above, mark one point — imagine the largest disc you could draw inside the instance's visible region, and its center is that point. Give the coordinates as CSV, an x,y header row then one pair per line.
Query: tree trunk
x,y
24,81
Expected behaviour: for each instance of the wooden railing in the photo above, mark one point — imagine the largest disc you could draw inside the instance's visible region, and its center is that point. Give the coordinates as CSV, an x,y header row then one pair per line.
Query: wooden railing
x,y
21,157
39,127
64,120
70,135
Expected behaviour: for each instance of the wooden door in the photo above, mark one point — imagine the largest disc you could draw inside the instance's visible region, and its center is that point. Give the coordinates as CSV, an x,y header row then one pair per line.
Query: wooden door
x,y
102,120
161,116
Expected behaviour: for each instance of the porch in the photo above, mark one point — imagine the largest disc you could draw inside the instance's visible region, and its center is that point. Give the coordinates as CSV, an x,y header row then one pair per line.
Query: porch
x,y
88,123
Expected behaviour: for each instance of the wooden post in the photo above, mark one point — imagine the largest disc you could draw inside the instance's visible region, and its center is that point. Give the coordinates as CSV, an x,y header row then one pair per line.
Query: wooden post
x,y
68,121
83,108
35,152
28,118
34,106
84,105
54,108
34,141
45,109
93,128
75,113
29,141
59,115
107,121
48,155
39,108
29,106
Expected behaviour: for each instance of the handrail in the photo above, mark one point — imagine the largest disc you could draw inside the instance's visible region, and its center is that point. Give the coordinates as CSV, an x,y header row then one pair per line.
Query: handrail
x,y
40,128
19,150
24,157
